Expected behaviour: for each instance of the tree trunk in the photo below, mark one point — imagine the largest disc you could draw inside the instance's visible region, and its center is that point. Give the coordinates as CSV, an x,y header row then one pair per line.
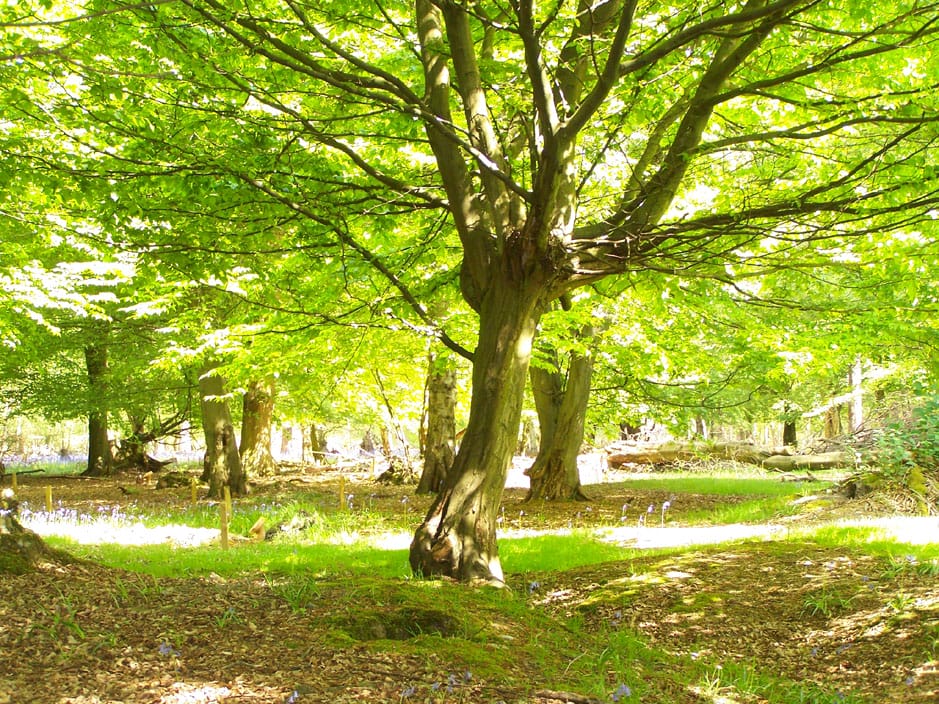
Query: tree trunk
x,y
789,433
440,439
833,422
222,465
562,407
317,441
458,535
21,550
99,449
257,412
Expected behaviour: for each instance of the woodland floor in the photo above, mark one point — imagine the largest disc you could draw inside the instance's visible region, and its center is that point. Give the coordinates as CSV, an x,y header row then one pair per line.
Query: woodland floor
x,y
84,633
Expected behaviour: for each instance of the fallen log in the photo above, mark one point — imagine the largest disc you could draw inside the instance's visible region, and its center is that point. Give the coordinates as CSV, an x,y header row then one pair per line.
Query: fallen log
x,y
825,460
777,459
670,453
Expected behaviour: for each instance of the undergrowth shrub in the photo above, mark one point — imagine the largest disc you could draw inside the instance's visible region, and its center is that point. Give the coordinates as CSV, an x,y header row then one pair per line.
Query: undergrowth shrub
x,y
914,443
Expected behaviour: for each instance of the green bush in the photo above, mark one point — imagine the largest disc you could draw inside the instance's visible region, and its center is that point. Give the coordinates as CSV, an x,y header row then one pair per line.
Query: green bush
x,y
914,444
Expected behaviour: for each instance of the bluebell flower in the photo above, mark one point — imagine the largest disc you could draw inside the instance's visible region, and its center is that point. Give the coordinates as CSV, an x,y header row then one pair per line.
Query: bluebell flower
x,y
622,692
166,649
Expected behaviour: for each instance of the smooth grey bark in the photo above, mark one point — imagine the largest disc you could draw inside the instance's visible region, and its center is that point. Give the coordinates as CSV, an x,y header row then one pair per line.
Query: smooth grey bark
x,y
257,415
439,441
561,401
100,462
222,464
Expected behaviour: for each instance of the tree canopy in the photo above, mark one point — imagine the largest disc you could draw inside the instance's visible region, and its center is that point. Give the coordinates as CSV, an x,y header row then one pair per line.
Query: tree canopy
x,y
359,158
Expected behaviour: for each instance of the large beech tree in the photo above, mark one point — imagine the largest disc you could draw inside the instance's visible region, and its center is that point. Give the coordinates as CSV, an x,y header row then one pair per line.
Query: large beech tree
x,y
568,142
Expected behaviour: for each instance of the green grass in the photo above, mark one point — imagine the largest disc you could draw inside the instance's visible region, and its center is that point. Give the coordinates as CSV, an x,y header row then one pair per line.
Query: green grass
x,y
49,469
724,485
545,553
753,511
246,558
870,540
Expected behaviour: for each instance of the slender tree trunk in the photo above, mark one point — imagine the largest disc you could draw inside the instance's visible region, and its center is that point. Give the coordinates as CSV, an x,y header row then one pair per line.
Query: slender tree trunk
x,y
99,449
561,402
458,535
222,466
856,409
257,413
440,438
317,443
789,433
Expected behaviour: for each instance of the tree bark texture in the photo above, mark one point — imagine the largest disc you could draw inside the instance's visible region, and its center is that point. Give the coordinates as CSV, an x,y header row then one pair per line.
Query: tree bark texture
x,y
789,433
257,414
458,535
222,466
100,462
440,436
561,402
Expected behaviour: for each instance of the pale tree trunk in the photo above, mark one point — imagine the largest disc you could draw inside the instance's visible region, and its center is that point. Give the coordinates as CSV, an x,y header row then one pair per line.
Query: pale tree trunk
x,y
856,409
222,465
99,449
439,440
833,422
257,413
458,535
561,402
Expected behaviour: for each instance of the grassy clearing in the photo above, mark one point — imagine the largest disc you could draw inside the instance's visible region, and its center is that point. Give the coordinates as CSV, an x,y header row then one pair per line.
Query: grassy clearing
x,y
760,484
350,569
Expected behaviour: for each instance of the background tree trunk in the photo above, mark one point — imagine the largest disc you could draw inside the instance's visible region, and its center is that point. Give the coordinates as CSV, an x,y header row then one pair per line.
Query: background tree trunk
x,y
561,402
317,442
458,536
99,449
222,465
257,413
789,433
440,437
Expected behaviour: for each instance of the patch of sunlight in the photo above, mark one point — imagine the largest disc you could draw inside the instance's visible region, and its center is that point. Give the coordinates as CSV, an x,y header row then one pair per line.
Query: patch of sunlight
x,y
194,694
671,537
914,530
115,529
390,541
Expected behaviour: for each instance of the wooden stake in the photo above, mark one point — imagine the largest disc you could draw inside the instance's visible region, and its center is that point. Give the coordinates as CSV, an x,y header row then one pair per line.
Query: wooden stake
x,y
342,492
13,480
227,491
194,489
223,520
48,499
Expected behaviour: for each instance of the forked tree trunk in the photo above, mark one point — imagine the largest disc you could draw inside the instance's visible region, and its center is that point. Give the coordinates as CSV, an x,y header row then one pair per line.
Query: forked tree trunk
x,y
458,535
222,465
99,449
561,402
257,413
440,436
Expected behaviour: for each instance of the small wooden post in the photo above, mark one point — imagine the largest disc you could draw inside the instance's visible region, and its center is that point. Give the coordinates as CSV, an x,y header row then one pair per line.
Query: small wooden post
x,y
48,499
194,490
13,480
223,520
342,492
227,490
